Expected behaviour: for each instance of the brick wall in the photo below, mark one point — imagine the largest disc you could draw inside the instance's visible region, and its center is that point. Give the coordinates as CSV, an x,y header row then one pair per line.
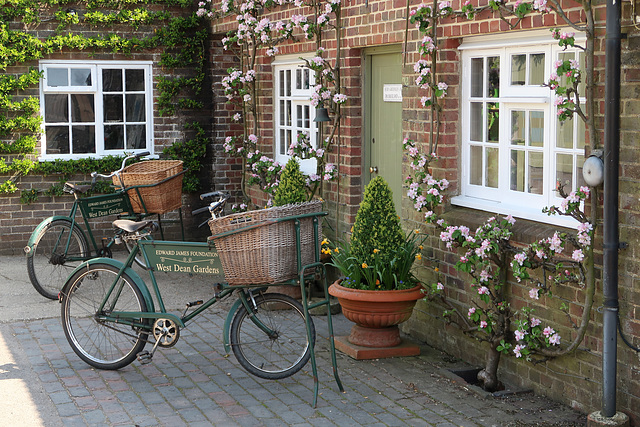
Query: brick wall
x,y
574,379
17,220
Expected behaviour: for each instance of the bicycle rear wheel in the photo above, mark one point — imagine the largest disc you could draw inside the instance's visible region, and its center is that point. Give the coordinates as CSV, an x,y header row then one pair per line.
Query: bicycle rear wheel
x,y
283,353
102,343
49,266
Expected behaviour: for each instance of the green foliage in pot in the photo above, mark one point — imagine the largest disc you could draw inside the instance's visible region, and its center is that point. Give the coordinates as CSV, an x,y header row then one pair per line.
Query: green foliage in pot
x,y
379,256
292,186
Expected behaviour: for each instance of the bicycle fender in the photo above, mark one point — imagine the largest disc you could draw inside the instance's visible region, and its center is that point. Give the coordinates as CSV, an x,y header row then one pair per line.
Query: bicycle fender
x,y
128,271
227,325
32,240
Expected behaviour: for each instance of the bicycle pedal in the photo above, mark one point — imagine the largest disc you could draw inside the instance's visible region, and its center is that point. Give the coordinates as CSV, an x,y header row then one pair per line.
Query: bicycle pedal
x,y
144,357
191,304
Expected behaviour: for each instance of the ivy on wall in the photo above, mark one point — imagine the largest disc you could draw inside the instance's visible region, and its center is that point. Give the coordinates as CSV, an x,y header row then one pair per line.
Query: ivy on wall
x,y
182,39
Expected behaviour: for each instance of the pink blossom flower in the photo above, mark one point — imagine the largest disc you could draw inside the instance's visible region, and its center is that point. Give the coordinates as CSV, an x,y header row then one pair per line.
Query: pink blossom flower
x,y
483,290
471,311
520,258
518,350
534,293
554,339
548,331
439,286
519,335
577,255
535,322
483,324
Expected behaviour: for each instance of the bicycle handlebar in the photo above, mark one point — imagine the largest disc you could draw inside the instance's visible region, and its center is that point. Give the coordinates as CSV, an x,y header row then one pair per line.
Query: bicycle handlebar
x,y
95,175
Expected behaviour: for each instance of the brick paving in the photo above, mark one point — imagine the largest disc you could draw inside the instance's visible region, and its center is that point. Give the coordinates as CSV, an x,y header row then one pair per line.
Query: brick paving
x,y
196,384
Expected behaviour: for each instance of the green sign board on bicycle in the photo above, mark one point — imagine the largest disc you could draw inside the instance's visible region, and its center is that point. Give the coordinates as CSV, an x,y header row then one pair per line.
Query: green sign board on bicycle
x,y
184,257
99,206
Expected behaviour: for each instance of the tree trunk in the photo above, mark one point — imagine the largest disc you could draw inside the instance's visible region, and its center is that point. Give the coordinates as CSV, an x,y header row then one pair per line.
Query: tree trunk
x,y
488,377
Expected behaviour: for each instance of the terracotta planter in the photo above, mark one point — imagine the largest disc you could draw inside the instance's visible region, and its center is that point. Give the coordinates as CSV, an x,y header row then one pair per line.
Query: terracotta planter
x,y
376,313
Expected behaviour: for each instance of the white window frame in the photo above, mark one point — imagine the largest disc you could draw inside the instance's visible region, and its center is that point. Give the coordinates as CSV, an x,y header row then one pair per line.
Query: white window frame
x,y
298,98
96,89
502,199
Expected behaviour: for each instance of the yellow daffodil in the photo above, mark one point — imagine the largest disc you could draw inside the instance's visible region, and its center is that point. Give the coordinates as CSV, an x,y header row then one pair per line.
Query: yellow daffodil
x,y
375,251
336,250
364,265
421,247
418,256
325,242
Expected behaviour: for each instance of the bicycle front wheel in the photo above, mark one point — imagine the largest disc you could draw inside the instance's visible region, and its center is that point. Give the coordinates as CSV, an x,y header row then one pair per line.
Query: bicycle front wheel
x,y
100,342
274,344
52,261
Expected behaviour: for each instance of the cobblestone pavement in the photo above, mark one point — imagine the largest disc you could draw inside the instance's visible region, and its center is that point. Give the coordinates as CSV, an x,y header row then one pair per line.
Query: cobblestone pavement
x,y
195,383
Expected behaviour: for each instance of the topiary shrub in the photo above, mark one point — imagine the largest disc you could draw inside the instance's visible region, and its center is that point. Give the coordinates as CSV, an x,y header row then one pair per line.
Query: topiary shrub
x,y
292,186
377,225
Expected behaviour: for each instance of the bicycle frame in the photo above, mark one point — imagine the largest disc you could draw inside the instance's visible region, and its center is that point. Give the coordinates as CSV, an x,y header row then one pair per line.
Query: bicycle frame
x,y
154,251
90,208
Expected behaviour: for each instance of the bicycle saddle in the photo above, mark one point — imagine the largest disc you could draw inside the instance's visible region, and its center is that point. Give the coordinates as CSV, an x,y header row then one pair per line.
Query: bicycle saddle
x,y
131,226
77,188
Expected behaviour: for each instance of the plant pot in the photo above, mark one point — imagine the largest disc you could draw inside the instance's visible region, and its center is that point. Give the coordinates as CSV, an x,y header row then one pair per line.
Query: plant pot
x,y
376,313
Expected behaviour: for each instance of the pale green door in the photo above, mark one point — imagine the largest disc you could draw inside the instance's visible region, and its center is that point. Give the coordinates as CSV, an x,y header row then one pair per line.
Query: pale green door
x,y
384,121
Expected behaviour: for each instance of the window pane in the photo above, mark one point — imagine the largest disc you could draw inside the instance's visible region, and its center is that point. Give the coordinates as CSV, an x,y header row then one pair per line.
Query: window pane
x,y
282,83
518,69
56,108
493,122
564,134
283,137
112,80
306,117
82,108
536,69
581,134
80,77
57,77
136,136
287,120
535,173
491,171
83,139
564,56
114,137
477,74
476,165
517,170
134,80
581,85
298,78
299,114
282,113
493,69
536,128
288,83
135,108
113,109
476,122
305,79
57,139
564,171
517,127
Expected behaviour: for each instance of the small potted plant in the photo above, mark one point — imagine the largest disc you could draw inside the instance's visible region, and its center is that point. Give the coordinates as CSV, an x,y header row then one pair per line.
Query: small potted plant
x,y
378,289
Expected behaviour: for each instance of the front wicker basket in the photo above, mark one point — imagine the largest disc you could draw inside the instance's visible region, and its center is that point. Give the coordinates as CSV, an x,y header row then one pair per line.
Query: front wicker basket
x,y
164,196
265,255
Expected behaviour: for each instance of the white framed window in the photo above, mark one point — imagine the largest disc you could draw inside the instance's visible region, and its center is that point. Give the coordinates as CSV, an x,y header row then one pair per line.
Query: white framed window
x,y
514,149
91,109
294,113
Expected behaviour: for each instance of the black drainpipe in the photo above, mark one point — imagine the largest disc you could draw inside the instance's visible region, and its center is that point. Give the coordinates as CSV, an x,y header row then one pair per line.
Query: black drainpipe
x,y
611,239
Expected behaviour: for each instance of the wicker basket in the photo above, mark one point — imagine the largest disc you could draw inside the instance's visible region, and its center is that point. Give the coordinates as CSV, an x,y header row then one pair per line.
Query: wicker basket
x,y
265,255
161,198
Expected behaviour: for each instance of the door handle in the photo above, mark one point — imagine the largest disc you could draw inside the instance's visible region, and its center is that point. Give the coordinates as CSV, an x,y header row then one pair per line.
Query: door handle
x,y
373,169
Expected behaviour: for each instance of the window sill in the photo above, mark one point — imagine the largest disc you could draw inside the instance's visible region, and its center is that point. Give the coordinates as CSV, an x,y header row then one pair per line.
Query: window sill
x,y
526,213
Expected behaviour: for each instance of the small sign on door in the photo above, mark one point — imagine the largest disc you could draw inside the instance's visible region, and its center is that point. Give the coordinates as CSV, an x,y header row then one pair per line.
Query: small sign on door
x,y
392,93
